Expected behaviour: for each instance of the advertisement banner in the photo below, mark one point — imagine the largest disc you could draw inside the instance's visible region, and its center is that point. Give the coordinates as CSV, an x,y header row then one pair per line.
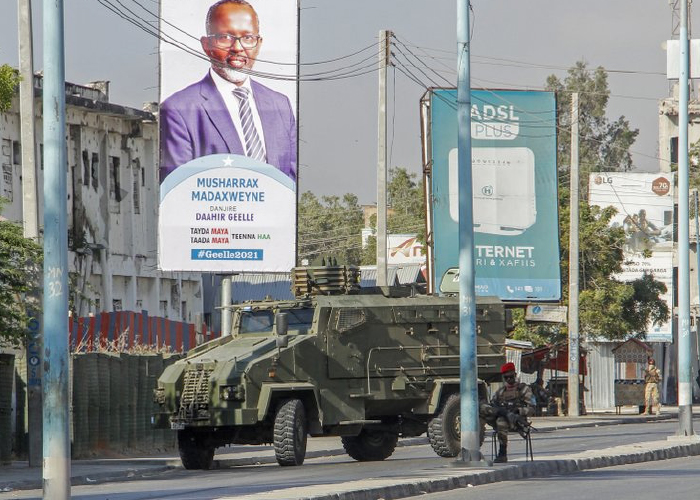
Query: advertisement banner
x,y
228,136
644,204
514,176
404,249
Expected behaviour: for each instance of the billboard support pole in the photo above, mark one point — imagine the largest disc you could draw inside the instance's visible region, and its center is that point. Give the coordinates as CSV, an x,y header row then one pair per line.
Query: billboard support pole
x,y
573,385
384,54
469,400
685,409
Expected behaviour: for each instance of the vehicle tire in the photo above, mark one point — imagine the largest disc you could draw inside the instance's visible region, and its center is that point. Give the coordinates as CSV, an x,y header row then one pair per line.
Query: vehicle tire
x,y
370,445
194,453
290,433
444,430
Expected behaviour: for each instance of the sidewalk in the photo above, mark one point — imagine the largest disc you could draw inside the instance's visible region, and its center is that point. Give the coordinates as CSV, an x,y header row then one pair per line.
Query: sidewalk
x,y
19,476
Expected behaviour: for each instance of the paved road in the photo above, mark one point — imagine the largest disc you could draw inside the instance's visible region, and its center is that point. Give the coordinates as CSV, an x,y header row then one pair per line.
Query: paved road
x,y
667,479
411,460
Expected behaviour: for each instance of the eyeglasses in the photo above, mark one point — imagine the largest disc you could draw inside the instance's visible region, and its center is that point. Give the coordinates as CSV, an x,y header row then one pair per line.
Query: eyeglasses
x,y
226,41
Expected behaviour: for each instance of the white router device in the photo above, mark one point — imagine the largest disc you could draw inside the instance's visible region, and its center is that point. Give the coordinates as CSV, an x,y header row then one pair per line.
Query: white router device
x,y
503,183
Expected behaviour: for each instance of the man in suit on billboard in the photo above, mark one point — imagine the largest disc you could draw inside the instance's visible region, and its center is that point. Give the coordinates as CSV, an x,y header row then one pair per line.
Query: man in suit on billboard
x,y
227,111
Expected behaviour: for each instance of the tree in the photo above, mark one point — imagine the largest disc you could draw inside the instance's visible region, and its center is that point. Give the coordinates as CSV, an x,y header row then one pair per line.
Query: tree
x,y
330,228
608,307
9,80
604,145
20,264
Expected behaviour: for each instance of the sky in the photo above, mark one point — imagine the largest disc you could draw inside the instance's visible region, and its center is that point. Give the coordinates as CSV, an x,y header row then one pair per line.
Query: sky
x,y
515,45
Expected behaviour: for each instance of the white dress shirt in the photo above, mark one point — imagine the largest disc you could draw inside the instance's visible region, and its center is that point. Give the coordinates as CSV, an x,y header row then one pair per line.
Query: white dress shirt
x,y
226,89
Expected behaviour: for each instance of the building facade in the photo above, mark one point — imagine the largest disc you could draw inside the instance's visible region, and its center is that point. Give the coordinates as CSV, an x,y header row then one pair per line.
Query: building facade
x,y
112,204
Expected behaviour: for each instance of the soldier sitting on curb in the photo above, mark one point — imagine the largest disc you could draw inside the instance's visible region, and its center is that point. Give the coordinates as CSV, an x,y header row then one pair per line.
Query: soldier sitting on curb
x,y
510,406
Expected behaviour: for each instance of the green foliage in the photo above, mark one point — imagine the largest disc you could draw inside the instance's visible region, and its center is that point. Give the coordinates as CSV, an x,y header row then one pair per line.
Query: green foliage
x,y
20,264
604,145
9,80
608,308
539,334
330,227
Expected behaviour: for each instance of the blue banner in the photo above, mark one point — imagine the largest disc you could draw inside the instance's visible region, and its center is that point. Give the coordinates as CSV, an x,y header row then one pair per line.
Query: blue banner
x,y
514,172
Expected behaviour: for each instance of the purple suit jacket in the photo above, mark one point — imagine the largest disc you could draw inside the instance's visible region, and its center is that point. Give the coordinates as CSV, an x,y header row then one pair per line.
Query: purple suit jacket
x,y
195,122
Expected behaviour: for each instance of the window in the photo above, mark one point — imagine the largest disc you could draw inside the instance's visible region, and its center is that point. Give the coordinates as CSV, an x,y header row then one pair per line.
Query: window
x,y
674,150
7,181
86,168
114,185
256,321
16,152
299,320
183,310
94,170
116,304
136,185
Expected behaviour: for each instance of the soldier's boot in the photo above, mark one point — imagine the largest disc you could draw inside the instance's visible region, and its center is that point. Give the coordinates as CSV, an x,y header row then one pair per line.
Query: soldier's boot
x,y
502,456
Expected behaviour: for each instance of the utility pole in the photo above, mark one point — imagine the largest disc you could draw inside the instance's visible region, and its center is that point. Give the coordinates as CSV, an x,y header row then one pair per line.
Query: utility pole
x,y
384,56
697,270
573,386
56,444
469,398
685,390
30,214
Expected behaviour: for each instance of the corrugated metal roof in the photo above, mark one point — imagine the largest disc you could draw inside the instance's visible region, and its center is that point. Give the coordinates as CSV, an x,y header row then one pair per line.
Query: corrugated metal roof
x,y
257,286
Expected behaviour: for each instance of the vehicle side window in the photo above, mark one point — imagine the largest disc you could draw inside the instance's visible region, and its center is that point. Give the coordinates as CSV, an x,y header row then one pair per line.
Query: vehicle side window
x,y
300,319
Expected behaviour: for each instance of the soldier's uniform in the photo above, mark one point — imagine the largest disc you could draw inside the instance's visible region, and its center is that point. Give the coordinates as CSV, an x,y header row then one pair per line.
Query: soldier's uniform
x,y
511,401
652,377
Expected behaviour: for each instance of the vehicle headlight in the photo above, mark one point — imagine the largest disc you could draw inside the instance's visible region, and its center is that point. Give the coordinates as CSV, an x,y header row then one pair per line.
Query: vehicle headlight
x,y
232,392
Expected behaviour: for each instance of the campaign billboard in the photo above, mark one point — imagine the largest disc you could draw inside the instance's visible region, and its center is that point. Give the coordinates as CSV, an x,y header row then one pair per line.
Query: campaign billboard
x,y
514,176
228,135
644,204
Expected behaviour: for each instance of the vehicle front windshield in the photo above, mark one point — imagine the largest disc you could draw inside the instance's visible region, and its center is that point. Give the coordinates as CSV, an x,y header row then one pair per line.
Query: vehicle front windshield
x,y
262,321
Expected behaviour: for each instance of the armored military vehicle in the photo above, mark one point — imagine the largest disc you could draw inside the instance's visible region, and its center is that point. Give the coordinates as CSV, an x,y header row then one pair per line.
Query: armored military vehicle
x,y
367,364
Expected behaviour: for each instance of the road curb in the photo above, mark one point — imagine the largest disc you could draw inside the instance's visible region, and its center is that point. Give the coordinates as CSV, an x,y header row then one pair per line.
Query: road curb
x,y
447,479
97,477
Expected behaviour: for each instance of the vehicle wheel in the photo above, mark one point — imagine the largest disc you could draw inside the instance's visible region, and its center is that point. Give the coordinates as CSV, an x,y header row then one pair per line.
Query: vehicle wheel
x,y
444,429
193,452
370,445
290,433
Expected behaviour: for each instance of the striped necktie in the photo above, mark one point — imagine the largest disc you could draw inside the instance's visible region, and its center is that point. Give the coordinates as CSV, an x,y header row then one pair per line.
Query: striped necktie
x,y
253,145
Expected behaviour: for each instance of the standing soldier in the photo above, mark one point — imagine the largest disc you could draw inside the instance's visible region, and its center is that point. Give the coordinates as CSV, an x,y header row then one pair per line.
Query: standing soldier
x,y
652,377
509,409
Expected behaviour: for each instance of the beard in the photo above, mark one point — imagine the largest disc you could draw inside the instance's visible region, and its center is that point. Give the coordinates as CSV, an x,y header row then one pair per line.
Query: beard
x,y
230,74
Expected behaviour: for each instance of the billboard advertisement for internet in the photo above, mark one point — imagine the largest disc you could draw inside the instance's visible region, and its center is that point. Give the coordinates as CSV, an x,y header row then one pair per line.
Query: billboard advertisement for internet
x,y
228,136
644,204
514,176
